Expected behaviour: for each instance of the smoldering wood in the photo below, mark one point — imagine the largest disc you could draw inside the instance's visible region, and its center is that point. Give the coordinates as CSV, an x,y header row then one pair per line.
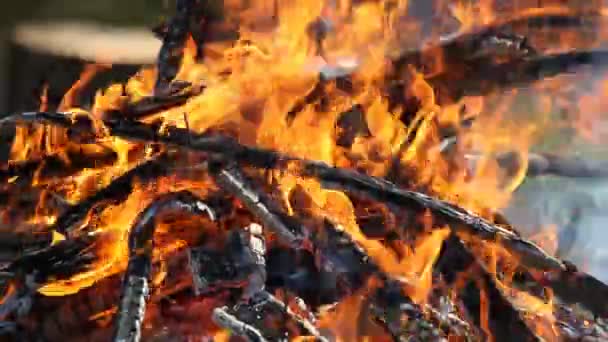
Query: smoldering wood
x,y
240,266
335,246
60,260
330,177
263,306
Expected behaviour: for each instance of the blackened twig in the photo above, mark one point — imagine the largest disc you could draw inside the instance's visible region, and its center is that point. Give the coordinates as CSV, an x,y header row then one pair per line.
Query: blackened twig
x,y
135,289
233,181
14,244
171,52
151,105
304,323
331,177
227,321
77,159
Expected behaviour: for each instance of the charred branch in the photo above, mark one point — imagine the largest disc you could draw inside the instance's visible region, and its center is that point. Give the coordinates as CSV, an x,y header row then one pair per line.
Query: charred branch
x,y
461,219
13,245
497,40
136,289
548,164
59,261
538,164
262,307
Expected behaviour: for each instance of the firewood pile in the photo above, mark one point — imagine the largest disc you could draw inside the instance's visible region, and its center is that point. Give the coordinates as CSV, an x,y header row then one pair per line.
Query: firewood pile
x,y
310,182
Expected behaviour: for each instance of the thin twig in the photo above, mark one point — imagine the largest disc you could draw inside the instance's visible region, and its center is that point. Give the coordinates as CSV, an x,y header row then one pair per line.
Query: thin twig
x,y
234,182
227,321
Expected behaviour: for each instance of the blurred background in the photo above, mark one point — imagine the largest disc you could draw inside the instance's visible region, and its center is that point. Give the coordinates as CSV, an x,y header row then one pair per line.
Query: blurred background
x,y
48,41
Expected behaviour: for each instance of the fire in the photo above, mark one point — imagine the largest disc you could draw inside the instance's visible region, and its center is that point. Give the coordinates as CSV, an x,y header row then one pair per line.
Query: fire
x,y
249,91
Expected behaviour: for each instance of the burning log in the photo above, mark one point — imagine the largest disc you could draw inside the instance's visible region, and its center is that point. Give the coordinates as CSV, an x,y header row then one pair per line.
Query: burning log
x,y
136,288
331,177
